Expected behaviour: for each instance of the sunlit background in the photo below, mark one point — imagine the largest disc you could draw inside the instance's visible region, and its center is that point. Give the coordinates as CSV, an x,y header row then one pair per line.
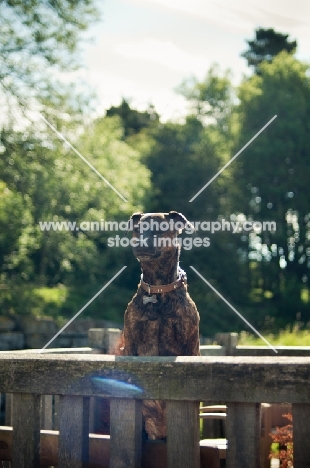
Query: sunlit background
x,y
155,97
143,49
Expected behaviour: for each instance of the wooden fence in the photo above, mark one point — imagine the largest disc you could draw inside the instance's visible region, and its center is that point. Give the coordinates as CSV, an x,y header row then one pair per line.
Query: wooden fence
x,y
242,383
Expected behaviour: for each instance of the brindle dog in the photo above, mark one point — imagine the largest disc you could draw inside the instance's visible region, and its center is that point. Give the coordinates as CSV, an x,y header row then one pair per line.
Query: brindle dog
x,y
161,319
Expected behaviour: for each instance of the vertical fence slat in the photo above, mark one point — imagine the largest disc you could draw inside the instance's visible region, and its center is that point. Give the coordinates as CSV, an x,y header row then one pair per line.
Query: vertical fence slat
x,y
183,434
56,413
8,409
91,414
46,411
73,432
301,435
125,433
26,431
243,434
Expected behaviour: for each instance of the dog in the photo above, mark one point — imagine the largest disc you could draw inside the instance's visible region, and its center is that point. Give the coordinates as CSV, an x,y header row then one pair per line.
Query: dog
x,y
161,319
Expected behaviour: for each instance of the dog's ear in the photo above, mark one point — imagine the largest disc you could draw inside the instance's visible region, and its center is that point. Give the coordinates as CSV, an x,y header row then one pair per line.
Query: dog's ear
x,y
134,219
183,222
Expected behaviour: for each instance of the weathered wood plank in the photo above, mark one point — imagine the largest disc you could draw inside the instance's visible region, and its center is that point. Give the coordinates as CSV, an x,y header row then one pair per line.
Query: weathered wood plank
x,y
243,434
231,379
92,408
26,431
56,413
154,453
73,432
210,457
183,434
46,412
8,409
8,421
6,433
99,448
126,433
104,339
301,435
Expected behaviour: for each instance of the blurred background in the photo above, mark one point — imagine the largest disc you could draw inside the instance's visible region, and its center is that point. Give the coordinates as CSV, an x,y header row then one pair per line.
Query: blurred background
x,y
157,96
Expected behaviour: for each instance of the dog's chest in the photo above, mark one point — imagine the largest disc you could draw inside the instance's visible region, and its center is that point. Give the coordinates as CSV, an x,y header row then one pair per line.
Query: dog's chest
x,y
160,307
160,338
161,326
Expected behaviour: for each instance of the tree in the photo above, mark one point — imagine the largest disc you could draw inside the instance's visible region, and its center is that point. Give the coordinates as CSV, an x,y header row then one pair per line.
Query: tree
x,y
211,99
273,177
44,181
15,218
265,46
38,40
133,121
182,159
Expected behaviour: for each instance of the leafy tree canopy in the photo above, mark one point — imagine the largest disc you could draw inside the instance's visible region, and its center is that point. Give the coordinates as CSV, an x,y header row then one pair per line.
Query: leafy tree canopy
x,y
182,159
273,176
210,99
36,39
133,121
43,180
265,46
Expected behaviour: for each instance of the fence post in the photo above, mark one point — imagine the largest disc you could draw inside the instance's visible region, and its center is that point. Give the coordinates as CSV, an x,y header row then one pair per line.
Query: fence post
x,y
26,431
243,434
183,434
104,340
8,409
73,432
229,341
125,433
301,434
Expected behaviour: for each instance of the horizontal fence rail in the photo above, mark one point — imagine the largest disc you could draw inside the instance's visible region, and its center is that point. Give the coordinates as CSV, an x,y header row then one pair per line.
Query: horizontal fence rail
x,y
229,379
242,383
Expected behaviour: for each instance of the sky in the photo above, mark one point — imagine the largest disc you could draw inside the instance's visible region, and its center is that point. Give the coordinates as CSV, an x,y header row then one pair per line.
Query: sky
x,y
142,50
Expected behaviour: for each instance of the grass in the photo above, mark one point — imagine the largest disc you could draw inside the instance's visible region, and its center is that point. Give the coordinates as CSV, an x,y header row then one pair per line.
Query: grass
x,y
48,302
55,296
287,337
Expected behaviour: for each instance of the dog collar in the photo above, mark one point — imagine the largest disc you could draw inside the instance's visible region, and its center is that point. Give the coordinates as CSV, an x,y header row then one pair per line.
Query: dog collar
x,y
164,288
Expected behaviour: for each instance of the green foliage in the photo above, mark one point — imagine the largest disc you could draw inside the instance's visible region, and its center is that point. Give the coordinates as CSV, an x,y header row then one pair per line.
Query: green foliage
x,y
291,336
182,159
266,45
283,439
37,41
132,120
45,181
211,99
14,218
42,180
103,144
273,180
157,167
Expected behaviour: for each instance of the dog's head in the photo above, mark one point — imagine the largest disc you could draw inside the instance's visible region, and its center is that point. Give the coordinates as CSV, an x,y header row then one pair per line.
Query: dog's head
x,y
154,233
